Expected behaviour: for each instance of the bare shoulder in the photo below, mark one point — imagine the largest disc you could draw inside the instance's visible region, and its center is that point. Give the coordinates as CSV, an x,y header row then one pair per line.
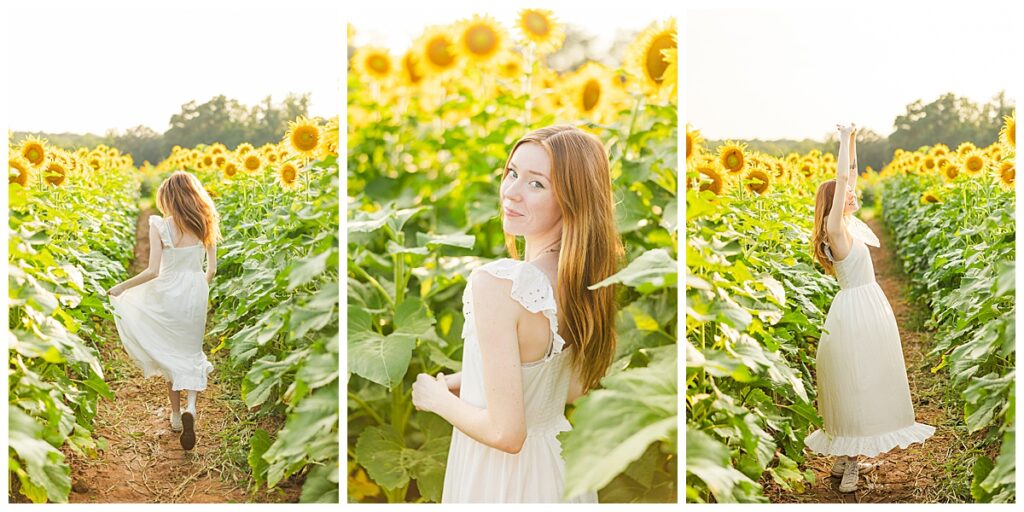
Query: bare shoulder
x,y
492,291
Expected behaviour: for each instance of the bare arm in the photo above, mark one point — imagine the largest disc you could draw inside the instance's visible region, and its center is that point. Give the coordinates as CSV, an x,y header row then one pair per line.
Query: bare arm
x,y
853,159
575,388
211,262
156,251
502,425
834,223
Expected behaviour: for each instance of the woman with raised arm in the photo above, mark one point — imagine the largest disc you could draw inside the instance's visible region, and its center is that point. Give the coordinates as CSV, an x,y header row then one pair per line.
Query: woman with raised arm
x,y
863,393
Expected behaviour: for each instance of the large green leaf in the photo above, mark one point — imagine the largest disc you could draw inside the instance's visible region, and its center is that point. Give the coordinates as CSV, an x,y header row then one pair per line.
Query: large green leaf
x,y
634,408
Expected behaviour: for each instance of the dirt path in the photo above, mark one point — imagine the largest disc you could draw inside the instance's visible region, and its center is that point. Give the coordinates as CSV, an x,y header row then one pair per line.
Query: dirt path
x,y
144,461
916,474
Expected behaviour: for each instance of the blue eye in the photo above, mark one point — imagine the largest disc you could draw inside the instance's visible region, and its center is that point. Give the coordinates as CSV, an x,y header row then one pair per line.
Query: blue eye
x,y
539,185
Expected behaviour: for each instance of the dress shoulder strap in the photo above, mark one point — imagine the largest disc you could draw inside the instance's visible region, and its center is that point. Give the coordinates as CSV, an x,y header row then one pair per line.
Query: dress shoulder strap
x,y
160,224
531,289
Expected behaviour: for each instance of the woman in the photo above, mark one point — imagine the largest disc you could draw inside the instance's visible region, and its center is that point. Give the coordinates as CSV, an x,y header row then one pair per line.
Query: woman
x,y
536,338
160,314
863,394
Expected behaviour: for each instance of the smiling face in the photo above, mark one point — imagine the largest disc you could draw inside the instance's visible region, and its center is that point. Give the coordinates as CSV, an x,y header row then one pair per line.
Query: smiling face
x,y
527,196
851,204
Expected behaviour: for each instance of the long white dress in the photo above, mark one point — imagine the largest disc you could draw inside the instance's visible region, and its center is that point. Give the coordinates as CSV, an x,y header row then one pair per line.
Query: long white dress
x,y
162,322
863,394
477,473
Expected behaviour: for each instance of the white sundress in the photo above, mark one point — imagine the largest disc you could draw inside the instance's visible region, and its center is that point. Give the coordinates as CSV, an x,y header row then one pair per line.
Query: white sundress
x,y
162,322
863,393
477,473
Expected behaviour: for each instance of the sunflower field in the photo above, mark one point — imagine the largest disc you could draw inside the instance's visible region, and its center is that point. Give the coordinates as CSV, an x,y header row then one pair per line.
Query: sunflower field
x,y
756,300
429,131
72,229
276,294
274,300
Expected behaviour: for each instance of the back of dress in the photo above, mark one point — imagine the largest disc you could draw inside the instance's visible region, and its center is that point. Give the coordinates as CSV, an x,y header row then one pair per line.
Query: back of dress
x,y
477,473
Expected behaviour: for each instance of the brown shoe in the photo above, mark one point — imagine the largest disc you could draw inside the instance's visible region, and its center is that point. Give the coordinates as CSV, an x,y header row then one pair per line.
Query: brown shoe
x,y
188,432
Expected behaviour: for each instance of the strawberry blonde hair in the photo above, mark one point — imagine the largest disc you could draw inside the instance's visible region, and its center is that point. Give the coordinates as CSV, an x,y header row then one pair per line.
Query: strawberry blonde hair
x,y
591,247
183,197
822,207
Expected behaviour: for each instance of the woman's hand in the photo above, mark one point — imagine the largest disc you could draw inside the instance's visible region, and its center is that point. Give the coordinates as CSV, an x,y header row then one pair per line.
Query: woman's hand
x,y
845,132
428,392
116,290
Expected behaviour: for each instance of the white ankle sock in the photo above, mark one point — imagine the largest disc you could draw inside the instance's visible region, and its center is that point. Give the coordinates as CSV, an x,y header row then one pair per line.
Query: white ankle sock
x,y
191,407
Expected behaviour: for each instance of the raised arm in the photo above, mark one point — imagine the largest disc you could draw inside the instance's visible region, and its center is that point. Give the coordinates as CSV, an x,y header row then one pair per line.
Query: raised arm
x,y
834,223
854,172
502,424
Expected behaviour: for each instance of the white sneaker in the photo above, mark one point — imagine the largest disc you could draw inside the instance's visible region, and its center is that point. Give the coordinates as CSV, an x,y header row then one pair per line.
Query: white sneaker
x,y
840,466
175,421
850,478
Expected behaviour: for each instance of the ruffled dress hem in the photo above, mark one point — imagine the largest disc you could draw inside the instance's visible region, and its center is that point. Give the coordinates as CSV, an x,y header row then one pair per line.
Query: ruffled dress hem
x,y
868,446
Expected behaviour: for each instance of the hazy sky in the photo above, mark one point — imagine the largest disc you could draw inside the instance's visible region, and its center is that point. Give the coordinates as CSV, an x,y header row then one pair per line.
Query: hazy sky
x,y
794,72
395,26
90,66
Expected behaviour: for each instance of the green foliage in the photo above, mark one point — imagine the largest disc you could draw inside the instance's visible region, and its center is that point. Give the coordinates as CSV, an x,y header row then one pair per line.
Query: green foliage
x,y
422,213
67,245
755,305
960,255
276,312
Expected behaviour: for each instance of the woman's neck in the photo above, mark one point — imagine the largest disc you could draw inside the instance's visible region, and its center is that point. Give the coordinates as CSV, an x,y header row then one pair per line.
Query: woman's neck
x,y
540,245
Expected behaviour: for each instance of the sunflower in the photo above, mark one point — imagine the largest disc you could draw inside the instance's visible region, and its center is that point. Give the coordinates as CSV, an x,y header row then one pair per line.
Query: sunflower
x,y
373,62
806,167
480,38
252,162
929,197
716,183
329,140
33,150
1008,134
670,79
964,148
949,172
303,136
644,56
510,65
939,150
18,171
539,27
1007,174
411,73
243,149
56,172
230,169
693,142
973,162
436,49
929,164
757,181
731,156
287,175
589,89
219,160
206,162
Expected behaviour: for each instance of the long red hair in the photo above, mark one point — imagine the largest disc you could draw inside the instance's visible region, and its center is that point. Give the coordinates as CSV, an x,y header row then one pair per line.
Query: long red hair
x,y
591,248
183,197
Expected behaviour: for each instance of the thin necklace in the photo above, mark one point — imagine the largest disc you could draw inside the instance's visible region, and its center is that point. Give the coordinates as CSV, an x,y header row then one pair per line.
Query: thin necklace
x,y
553,249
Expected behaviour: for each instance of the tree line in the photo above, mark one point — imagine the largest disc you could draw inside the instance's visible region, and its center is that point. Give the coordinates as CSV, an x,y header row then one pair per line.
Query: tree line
x,y
221,119
950,120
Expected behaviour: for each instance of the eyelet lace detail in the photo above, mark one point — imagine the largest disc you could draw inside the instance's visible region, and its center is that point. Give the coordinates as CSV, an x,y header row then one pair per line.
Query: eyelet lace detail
x,y
530,288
